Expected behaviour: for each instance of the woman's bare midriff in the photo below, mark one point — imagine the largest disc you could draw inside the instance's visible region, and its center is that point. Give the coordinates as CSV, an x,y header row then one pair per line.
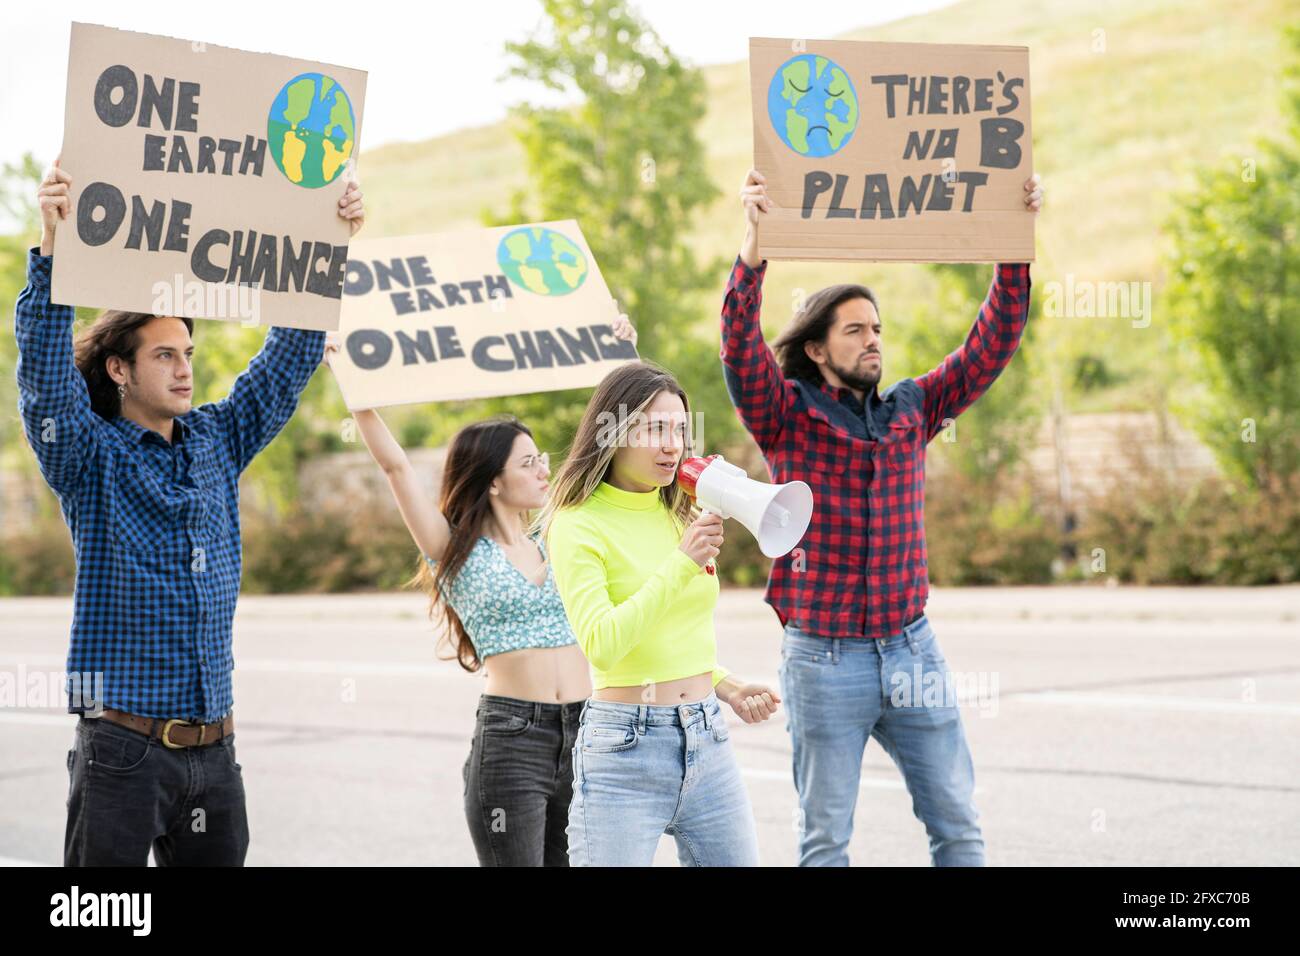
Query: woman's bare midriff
x,y
684,690
551,675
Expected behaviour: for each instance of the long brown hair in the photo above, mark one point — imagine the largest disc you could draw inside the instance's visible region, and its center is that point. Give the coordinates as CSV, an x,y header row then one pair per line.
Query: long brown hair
x,y
614,410
810,324
477,455
113,332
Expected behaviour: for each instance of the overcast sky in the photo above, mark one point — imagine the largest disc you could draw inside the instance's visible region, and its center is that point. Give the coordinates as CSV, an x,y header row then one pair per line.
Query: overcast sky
x,y
407,57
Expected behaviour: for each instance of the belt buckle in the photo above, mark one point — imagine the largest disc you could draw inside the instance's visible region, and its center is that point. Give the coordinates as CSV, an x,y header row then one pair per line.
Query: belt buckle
x,y
167,728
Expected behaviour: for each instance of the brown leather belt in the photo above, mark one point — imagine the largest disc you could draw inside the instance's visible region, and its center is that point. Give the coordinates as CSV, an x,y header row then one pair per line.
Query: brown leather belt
x,y
174,733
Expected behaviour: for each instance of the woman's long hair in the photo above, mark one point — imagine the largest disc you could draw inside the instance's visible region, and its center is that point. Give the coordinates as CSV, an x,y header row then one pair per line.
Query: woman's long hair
x,y
477,455
617,406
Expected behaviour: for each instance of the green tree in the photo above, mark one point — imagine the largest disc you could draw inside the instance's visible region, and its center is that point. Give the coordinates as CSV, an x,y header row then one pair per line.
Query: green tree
x,y
626,163
18,183
985,525
1234,296
993,435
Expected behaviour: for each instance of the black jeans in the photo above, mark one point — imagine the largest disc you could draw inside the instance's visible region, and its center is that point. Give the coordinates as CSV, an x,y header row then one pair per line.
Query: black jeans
x,y
519,781
127,793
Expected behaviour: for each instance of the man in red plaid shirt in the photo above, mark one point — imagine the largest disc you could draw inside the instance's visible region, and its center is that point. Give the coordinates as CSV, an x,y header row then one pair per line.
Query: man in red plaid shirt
x,y
852,596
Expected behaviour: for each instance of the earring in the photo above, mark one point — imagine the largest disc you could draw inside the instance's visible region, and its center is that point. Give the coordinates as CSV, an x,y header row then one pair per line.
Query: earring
x,y
121,390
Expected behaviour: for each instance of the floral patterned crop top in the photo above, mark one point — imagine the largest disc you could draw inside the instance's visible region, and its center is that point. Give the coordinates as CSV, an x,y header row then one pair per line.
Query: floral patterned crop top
x,y
501,609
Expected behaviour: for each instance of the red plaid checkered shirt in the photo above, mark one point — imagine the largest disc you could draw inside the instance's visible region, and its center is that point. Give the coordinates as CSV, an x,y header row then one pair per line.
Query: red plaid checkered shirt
x,y
860,570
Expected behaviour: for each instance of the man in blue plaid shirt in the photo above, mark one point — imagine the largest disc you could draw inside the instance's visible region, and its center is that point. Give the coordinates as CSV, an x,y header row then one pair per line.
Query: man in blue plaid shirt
x,y
149,486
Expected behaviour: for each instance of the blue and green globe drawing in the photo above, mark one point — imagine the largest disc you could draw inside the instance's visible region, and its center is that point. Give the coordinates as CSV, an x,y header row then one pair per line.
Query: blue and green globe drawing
x,y
311,129
812,105
542,260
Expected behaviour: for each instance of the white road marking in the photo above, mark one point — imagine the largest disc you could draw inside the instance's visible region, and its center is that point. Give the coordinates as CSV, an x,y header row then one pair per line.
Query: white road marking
x,y
350,668
66,720
447,671
1216,705
292,666
38,718
865,783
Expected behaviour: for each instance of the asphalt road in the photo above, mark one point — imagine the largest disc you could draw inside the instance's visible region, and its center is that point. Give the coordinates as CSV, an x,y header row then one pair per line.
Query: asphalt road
x,y
1148,727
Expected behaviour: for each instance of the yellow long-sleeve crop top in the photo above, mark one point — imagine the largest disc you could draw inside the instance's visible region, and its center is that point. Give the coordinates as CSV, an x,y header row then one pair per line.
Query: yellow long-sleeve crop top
x,y
642,610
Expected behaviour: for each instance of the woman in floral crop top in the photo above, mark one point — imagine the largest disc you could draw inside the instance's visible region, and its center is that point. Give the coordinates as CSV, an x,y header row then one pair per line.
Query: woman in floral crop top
x,y
492,584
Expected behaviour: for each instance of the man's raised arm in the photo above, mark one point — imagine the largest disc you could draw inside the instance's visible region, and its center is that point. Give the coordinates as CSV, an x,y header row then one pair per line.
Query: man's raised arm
x,y
265,394
966,373
52,397
754,380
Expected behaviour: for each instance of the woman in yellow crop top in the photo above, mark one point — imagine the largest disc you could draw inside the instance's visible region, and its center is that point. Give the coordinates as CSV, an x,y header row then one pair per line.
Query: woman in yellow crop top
x,y
634,570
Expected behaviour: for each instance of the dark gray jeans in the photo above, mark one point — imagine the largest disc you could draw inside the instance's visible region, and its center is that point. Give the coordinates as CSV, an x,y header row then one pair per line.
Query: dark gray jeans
x,y
127,793
519,781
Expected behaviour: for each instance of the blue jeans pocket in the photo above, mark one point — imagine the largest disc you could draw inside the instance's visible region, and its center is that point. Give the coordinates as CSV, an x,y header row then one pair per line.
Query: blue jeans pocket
x,y
721,732
928,649
796,646
607,739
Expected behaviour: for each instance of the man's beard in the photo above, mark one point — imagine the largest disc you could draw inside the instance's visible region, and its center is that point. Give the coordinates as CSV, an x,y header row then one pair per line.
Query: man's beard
x,y
863,382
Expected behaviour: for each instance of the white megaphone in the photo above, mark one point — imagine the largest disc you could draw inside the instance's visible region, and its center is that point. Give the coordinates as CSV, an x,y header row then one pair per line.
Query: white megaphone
x,y
777,515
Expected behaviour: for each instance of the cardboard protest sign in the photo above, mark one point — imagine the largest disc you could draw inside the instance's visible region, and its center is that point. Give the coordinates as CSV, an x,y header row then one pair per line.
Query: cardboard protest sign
x,y
914,152
205,180
474,314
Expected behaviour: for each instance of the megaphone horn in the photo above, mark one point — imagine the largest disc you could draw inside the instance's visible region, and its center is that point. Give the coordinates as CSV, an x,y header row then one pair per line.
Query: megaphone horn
x,y
776,515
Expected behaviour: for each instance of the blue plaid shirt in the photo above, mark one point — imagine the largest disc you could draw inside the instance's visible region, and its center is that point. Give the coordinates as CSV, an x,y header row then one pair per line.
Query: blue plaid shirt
x,y
155,524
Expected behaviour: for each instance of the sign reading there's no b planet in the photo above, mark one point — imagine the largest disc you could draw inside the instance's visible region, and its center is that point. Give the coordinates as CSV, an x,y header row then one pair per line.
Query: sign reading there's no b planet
x,y
913,152
205,180
475,314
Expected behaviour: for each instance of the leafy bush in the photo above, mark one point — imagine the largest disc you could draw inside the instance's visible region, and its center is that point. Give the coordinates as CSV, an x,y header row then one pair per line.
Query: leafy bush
x,y
1153,531
37,560
340,549
974,537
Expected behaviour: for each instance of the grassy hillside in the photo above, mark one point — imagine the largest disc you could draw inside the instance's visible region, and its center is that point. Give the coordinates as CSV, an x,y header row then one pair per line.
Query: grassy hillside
x,y
1114,133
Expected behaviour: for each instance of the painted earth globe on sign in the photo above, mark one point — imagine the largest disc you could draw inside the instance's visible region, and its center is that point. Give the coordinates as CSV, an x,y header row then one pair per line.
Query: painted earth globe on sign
x,y
812,105
542,261
311,129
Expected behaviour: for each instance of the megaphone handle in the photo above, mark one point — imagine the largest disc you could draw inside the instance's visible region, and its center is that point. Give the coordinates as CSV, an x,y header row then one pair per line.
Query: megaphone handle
x,y
709,566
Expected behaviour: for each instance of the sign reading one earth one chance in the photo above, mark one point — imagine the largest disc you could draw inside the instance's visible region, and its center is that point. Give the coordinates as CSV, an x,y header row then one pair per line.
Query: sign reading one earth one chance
x,y
503,311
205,180
914,152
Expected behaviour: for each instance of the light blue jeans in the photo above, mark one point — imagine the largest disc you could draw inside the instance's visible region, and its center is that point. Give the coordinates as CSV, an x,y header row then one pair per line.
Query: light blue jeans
x,y
640,771
839,693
